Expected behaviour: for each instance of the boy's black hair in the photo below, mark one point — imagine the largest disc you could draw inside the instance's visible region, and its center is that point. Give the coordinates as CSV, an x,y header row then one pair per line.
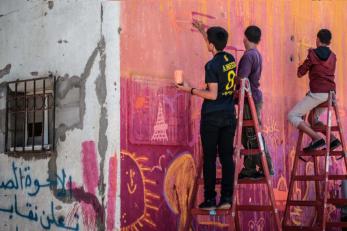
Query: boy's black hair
x,y
218,36
324,36
253,34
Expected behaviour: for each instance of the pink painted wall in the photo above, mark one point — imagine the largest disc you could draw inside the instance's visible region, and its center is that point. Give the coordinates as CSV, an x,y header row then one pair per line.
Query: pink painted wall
x,y
160,126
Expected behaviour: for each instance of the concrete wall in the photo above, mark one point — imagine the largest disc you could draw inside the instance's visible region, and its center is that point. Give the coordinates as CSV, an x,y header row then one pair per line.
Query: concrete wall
x,y
160,126
78,42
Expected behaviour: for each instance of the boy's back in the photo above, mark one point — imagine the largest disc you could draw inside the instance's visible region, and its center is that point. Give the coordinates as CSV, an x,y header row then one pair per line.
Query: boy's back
x,y
251,66
220,69
321,64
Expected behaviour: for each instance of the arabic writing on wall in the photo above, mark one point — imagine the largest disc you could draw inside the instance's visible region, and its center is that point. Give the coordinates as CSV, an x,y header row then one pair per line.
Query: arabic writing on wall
x,y
22,181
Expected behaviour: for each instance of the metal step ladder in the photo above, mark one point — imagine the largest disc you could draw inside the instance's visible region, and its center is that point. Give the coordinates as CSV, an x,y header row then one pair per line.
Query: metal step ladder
x,y
321,177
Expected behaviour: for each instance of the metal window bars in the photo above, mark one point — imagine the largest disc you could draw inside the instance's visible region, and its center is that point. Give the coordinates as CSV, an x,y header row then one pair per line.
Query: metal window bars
x,y
30,115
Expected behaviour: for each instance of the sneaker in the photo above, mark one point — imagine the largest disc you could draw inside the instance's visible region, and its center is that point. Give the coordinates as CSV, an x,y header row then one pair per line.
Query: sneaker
x,y
314,145
272,172
257,176
335,144
242,175
209,204
224,203
254,176
246,173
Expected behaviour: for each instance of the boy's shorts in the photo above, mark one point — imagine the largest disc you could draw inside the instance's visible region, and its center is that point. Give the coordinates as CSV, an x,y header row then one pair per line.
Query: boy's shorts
x,y
310,101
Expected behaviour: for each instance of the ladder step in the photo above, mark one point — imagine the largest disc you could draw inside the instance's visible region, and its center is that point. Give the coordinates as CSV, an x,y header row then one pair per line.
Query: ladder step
x,y
321,153
247,152
216,224
337,201
248,123
254,208
337,177
304,203
300,228
324,128
308,178
217,212
336,224
252,181
319,178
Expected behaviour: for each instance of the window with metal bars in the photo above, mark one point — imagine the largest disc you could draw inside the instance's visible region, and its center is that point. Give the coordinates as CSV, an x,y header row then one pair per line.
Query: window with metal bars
x,y
30,115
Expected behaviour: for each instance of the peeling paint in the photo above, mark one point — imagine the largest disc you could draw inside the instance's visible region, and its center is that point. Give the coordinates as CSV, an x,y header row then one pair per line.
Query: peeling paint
x,y
62,41
50,4
6,70
34,73
100,88
64,84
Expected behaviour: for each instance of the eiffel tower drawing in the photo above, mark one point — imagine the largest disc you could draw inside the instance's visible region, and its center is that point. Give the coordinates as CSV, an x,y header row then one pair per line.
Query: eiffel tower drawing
x,y
160,126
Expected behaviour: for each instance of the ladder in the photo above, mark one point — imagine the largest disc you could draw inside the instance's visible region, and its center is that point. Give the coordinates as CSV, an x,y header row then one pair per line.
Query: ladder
x,y
231,216
320,178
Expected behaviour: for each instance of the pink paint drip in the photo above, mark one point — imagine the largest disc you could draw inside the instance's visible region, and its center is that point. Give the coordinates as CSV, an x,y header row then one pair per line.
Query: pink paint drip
x,y
89,217
90,166
111,198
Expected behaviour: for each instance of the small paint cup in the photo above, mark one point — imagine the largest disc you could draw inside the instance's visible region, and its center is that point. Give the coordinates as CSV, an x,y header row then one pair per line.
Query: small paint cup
x,y
179,77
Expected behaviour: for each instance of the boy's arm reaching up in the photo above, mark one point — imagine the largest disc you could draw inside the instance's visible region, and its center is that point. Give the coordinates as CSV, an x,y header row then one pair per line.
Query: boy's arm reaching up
x,y
305,67
201,28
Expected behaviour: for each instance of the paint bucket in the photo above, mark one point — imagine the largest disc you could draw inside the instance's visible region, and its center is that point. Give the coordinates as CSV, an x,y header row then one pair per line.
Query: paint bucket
x,y
179,77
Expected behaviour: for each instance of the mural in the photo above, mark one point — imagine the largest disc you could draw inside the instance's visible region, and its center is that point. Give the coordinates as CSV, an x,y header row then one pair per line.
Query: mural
x,y
138,192
159,123
178,188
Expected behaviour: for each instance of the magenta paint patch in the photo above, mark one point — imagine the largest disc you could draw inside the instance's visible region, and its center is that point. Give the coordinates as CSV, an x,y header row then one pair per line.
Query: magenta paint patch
x,y
112,189
90,166
89,217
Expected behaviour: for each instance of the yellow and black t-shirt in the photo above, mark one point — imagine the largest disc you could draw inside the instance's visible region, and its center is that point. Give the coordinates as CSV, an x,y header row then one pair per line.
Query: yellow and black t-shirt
x,y
222,70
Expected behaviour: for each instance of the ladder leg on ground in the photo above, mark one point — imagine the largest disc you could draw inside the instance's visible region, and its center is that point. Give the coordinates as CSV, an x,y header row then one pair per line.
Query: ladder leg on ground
x,y
321,201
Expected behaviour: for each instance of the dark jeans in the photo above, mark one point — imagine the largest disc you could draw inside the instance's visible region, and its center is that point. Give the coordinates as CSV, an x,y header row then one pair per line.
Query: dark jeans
x,y
249,141
217,132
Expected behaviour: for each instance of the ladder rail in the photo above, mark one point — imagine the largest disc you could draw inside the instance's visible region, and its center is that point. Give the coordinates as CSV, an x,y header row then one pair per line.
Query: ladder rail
x,y
291,181
341,133
260,141
234,214
317,186
326,163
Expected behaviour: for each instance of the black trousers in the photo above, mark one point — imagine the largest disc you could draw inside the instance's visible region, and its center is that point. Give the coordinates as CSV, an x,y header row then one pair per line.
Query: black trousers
x,y
217,132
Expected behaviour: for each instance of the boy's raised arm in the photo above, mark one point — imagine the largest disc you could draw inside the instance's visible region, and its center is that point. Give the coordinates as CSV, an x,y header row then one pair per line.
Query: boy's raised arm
x,y
305,67
201,28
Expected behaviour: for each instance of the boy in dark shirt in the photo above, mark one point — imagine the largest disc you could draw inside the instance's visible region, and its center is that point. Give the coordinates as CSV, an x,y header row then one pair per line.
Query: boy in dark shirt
x,y
250,66
218,120
320,64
